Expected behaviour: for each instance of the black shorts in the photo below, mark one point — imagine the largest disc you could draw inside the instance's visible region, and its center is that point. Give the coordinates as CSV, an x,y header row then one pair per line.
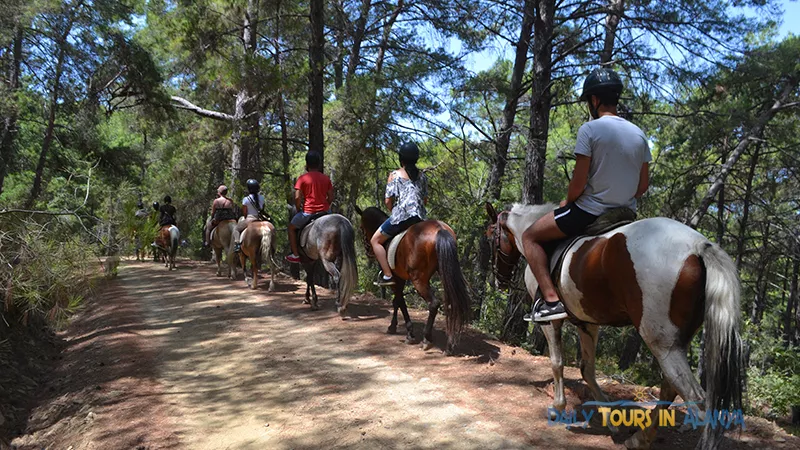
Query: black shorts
x,y
572,220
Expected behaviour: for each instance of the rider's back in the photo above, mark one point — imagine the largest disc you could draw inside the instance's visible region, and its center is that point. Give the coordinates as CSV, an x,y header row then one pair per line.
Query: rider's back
x,y
618,149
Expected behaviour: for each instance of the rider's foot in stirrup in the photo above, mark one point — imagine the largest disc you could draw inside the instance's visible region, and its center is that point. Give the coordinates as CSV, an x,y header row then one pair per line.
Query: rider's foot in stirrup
x,y
544,311
383,280
294,259
237,247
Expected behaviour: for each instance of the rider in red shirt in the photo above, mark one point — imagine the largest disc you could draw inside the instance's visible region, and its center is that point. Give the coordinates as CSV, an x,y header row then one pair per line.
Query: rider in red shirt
x,y
313,194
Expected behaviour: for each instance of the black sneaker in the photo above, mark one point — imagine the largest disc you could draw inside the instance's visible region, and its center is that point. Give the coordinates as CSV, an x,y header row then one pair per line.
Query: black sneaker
x,y
237,247
544,311
382,281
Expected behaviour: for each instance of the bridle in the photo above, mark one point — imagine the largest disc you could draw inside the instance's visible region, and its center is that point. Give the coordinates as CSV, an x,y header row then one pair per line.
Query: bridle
x,y
500,259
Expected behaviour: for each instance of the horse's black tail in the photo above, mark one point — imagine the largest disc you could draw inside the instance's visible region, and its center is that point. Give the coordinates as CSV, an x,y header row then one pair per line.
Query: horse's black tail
x,y
456,295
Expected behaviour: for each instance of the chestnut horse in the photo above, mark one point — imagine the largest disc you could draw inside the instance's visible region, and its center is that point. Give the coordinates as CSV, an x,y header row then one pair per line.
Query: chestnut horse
x,y
658,275
428,247
258,245
222,240
167,241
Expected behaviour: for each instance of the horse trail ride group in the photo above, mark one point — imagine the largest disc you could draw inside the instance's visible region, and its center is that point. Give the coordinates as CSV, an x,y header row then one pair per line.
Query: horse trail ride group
x,y
590,262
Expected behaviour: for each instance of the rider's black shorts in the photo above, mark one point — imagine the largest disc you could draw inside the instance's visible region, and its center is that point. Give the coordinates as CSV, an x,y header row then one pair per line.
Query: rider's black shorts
x,y
572,220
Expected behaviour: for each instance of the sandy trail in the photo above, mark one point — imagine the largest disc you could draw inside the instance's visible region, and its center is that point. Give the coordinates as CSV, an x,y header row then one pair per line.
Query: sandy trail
x,y
200,362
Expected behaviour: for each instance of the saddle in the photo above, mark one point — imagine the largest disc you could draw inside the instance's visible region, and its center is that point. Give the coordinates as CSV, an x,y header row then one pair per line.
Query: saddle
x,y
611,220
391,248
304,228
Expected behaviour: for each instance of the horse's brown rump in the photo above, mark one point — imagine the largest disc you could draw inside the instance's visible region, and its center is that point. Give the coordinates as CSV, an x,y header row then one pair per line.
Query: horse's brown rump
x,y
162,238
414,254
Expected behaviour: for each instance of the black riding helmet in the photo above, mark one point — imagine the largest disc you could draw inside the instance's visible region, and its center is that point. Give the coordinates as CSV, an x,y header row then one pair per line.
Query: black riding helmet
x,y
252,186
167,199
409,153
599,81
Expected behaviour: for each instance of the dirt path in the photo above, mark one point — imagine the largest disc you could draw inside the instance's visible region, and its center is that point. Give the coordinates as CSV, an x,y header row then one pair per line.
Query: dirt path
x,y
186,360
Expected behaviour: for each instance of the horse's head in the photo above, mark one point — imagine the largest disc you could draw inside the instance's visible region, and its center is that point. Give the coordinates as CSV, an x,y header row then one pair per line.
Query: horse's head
x,y
505,254
371,220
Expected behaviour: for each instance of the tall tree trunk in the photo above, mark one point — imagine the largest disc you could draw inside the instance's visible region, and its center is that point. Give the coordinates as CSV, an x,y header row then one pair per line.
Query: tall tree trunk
x,y
748,193
753,133
616,8
536,151
494,182
794,297
340,34
49,134
760,302
387,32
10,122
721,215
316,140
245,156
358,38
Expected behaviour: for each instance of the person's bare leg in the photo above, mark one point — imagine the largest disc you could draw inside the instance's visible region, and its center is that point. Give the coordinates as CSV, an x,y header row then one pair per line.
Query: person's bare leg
x,y
543,230
380,252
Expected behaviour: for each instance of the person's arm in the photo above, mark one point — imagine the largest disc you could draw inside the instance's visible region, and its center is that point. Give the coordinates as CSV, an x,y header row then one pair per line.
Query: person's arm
x,y
329,195
580,176
213,208
644,180
389,200
298,200
244,209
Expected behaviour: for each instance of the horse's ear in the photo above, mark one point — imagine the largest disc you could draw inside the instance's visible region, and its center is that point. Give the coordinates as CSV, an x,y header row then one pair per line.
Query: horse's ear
x,y
490,211
358,210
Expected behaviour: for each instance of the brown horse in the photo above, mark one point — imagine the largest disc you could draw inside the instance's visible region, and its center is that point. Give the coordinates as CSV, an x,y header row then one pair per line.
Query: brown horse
x,y
222,240
428,247
258,244
658,275
166,242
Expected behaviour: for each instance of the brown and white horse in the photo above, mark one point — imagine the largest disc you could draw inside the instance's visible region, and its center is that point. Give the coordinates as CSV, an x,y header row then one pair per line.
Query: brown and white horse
x,y
428,247
658,275
167,241
222,240
258,244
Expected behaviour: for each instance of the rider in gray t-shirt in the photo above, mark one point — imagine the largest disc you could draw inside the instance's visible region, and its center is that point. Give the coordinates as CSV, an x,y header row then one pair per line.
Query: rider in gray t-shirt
x,y
611,170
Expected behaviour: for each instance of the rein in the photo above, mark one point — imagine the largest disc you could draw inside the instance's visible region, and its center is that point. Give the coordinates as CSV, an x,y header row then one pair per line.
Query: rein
x,y
500,257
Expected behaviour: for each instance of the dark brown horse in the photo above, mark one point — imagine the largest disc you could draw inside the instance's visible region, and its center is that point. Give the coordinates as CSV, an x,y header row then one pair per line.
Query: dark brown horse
x,y
166,242
428,247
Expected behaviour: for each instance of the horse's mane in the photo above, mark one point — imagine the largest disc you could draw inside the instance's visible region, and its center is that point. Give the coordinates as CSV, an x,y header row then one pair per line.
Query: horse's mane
x,y
522,216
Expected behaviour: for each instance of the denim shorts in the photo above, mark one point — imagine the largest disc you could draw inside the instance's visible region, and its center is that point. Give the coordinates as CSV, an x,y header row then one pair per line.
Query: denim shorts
x,y
389,230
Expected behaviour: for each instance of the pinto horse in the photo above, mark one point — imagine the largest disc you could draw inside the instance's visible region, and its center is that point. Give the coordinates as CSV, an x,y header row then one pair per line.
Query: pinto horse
x,y
167,241
222,240
658,275
330,239
258,245
428,247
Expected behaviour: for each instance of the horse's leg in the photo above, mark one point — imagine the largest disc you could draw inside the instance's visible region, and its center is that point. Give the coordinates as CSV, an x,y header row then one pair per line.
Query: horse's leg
x,y
404,309
218,257
310,269
271,274
254,265
398,294
643,439
424,289
588,335
243,262
678,373
552,331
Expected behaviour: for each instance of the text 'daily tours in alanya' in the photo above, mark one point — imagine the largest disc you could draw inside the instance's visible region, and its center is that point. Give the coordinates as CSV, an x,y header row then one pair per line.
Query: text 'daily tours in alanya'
x,y
644,414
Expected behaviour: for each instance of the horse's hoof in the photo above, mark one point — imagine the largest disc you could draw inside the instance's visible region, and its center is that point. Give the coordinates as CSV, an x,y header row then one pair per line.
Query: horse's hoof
x,y
271,287
553,412
341,311
314,307
637,441
426,345
391,330
306,302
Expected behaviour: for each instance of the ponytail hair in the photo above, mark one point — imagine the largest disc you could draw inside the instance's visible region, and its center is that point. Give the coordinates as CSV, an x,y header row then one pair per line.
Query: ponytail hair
x,y
411,170
408,156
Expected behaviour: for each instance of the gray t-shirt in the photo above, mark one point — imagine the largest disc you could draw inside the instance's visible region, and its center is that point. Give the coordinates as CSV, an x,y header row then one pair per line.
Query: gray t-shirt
x,y
618,149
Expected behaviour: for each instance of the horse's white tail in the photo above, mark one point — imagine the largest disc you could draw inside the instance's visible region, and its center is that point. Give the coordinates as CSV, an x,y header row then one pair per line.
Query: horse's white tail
x,y
174,240
723,344
266,245
349,277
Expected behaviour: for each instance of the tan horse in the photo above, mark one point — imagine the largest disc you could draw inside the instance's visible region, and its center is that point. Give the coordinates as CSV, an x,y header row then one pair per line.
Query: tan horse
x,y
166,242
222,239
258,244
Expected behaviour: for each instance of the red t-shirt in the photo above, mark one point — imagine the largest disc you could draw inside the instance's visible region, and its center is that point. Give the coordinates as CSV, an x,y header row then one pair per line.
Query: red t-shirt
x,y
315,187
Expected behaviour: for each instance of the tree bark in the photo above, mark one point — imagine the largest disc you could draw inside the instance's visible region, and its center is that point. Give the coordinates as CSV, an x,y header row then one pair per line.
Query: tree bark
x,y
245,156
49,134
10,122
794,298
753,134
759,303
387,32
494,185
748,193
616,8
536,151
317,63
721,215
358,38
